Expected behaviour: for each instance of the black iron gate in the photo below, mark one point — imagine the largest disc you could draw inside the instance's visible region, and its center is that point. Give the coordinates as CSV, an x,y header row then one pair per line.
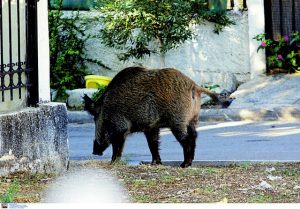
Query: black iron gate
x,y
32,53
282,17
18,48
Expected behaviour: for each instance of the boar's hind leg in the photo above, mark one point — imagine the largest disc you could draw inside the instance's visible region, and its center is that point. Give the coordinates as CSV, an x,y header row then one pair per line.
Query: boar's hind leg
x,y
187,138
153,143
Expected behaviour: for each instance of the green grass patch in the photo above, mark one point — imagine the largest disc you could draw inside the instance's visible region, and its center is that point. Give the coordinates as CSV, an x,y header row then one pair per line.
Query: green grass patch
x,y
261,198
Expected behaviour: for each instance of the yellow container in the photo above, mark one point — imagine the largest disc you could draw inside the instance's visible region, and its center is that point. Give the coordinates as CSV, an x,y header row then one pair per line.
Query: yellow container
x,y
94,81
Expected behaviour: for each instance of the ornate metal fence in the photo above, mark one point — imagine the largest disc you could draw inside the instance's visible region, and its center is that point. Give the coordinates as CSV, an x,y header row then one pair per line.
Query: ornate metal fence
x,y
18,53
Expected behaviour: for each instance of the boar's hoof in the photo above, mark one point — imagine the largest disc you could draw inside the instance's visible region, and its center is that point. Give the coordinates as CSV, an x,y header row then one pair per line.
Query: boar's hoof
x,y
98,153
185,165
115,160
155,162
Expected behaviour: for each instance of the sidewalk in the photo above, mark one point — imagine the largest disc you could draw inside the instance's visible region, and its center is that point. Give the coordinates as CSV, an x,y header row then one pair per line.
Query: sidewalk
x,y
287,113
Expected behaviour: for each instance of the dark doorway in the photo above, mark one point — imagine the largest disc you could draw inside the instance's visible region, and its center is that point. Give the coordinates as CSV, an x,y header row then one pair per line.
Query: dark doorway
x,y
282,17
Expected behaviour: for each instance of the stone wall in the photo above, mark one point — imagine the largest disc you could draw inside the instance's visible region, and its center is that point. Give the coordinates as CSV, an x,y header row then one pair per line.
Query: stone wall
x,y
34,139
209,58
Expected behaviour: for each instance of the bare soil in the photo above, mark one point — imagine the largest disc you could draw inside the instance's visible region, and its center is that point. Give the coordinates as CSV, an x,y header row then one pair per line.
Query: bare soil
x,y
232,184
247,183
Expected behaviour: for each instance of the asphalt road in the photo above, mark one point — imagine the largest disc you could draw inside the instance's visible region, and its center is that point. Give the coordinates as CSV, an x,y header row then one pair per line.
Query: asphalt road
x,y
224,141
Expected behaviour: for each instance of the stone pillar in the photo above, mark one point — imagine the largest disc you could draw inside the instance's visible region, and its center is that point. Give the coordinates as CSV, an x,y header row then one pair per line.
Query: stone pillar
x,y
43,52
34,139
256,20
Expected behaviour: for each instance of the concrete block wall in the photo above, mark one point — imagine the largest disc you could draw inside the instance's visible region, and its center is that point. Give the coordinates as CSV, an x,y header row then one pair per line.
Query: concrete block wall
x,y
34,139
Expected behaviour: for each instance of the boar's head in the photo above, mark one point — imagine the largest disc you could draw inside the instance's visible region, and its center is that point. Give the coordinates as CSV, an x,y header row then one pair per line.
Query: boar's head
x,y
101,141
91,106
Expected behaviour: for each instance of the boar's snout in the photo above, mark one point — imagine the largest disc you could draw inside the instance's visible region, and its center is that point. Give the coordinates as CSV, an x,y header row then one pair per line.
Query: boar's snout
x,y
98,149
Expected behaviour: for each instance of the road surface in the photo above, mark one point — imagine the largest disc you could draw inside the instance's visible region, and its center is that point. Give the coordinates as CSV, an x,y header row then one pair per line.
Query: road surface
x,y
218,141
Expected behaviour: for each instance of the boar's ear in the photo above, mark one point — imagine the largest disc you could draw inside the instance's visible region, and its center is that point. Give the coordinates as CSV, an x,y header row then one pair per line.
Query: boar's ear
x,y
89,105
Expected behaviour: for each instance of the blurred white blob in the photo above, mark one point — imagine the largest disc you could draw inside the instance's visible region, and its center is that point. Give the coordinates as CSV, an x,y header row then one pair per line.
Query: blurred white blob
x,y
86,186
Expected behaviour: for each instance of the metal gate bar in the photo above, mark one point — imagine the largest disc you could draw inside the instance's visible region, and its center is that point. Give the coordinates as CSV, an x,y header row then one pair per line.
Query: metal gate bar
x,y
11,82
19,70
32,53
2,59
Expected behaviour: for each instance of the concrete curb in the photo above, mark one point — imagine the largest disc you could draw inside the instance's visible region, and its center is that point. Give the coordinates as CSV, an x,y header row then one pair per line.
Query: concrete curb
x,y
80,117
286,113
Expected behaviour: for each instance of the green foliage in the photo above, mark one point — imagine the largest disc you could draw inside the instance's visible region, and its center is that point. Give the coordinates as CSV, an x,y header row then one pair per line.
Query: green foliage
x,y
220,19
134,25
67,69
261,198
11,192
211,86
283,53
99,92
67,54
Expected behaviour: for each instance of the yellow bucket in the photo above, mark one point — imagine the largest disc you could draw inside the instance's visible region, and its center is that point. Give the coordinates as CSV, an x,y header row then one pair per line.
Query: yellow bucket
x,y
94,81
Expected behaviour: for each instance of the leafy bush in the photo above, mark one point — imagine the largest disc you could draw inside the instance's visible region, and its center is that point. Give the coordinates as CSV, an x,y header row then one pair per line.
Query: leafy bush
x,y
67,69
211,86
67,54
283,53
98,93
134,25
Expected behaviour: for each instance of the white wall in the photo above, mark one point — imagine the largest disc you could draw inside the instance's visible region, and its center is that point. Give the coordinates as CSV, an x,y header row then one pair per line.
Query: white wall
x,y
211,54
256,26
208,56
203,58
43,52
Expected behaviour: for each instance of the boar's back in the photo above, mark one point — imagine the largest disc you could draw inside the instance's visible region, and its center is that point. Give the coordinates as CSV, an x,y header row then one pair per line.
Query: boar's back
x,y
148,97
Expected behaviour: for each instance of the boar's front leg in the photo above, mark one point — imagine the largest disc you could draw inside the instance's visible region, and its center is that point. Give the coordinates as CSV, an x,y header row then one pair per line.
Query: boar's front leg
x,y
117,135
153,143
187,138
117,146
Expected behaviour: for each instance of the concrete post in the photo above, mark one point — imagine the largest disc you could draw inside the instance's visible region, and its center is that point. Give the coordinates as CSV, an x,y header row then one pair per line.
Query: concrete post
x,y
256,20
43,52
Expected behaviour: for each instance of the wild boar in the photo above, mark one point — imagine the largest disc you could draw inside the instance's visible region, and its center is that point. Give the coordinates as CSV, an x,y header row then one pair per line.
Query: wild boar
x,y
142,100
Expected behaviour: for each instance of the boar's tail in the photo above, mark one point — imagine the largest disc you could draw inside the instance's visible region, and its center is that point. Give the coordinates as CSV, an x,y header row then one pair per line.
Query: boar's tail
x,y
216,97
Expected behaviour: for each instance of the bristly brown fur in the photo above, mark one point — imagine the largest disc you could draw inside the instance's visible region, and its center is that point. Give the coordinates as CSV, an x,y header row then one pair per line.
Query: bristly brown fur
x,y
142,100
